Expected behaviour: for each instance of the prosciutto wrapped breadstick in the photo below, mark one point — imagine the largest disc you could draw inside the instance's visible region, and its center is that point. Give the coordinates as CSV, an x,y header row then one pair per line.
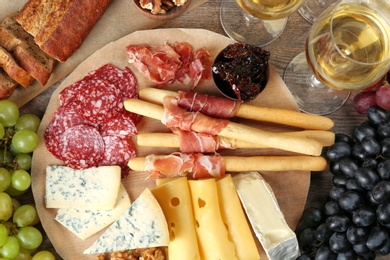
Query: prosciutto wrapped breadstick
x,y
173,116
192,142
225,108
198,165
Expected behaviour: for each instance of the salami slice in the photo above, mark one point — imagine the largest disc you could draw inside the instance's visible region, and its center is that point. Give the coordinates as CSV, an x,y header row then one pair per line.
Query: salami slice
x,y
121,125
99,101
82,147
117,151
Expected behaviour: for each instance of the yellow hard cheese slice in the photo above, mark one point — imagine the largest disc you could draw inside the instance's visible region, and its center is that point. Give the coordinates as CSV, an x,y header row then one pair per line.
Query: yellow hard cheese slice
x,y
175,200
86,222
212,234
92,188
234,218
265,216
142,225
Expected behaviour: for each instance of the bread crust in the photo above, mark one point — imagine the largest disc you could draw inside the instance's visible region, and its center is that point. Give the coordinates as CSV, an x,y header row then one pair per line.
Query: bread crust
x,y
7,85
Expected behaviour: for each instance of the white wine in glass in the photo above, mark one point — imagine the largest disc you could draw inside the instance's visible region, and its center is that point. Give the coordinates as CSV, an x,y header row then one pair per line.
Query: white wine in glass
x,y
256,22
348,48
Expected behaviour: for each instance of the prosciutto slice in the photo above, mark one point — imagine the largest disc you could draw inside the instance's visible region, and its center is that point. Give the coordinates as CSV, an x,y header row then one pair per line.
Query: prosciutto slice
x,y
208,105
192,142
176,117
195,165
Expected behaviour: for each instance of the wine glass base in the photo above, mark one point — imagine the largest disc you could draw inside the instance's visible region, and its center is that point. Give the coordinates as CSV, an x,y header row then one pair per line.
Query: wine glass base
x,y
243,27
310,10
311,95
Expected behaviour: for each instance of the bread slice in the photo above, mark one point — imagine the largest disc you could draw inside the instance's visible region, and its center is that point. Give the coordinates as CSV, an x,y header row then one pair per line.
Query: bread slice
x,y
24,50
12,68
7,85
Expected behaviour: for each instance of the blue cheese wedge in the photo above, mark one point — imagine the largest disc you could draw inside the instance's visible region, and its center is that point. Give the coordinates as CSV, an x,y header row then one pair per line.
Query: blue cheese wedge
x,y
142,225
264,214
92,188
86,222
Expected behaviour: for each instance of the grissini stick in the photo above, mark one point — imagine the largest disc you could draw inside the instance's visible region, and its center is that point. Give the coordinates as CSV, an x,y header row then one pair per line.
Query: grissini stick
x,y
238,131
272,115
172,140
257,163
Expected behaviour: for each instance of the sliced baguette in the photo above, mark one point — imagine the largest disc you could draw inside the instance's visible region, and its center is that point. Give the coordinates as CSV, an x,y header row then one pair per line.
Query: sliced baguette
x,y
12,68
25,51
7,85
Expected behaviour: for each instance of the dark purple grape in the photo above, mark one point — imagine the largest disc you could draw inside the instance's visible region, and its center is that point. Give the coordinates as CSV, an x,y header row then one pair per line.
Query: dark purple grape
x,y
377,238
385,249
381,191
306,239
341,137
347,255
371,200
371,255
338,223
370,163
335,192
324,253
370,145
361,249
385,147
323,233
338,151
339,180
383,130
305,257
366,178
332,207
383,214
363,130
350,200
338,242
334,167
383,169
312,217
353,185
357,235
377,115
358,152
364,216
348,167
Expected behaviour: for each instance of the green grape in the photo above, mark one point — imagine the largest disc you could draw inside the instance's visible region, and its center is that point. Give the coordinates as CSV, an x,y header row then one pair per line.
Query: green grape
x,y
43,255
20,180
25,141
9,113
13,150
23,161
15,204
2,131
10,248
25,215
29,237
5,206
5,158
28,121
3,234
14,192
23,255
5,179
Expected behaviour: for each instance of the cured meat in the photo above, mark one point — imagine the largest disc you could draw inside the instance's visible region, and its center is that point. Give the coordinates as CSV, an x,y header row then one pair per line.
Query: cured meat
x,y
176,117
195,165
163,64
192,142
121,125
208,105
82,147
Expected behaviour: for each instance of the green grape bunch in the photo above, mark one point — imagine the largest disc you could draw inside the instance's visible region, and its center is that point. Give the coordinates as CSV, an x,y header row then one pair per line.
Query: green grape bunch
x,y
19,238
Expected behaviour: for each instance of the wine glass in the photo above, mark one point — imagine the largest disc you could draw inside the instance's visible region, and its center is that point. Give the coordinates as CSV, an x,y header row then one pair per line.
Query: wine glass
x,y
310,10
347,48
256,22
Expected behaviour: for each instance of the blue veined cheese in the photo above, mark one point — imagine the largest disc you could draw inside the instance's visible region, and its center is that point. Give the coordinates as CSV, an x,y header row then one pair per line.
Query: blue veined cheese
x,y
86,222
142,225
92,188
264,214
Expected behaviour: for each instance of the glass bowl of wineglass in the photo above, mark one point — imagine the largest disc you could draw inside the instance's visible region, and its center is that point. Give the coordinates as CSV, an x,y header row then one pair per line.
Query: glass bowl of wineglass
x,y
256,22
347,49
310,10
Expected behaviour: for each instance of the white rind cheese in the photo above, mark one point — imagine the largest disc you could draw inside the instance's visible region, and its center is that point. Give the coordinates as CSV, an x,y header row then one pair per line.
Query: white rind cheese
x,y
92,188
86,222
142,225
267,220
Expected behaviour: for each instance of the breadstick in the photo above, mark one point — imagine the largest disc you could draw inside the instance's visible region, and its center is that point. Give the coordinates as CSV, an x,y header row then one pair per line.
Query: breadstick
x,y
172,140
239,131
258,163
272,115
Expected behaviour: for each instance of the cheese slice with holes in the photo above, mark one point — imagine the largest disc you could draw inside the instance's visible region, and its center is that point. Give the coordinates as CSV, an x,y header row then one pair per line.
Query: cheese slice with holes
x,y
86,222
142,225
265,216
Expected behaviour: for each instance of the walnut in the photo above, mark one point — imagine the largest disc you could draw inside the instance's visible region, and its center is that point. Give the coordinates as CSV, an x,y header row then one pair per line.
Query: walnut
x,y
136,254
160,6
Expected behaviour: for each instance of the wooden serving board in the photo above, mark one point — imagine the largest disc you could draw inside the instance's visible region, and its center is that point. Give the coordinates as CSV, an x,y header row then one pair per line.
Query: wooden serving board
x,y
290,187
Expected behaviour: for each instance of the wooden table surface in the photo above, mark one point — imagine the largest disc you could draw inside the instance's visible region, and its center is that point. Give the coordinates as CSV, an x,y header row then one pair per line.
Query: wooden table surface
x,y
289,44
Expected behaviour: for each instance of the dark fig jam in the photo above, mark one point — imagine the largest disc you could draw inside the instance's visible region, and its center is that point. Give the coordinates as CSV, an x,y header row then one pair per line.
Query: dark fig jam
x,y
241,71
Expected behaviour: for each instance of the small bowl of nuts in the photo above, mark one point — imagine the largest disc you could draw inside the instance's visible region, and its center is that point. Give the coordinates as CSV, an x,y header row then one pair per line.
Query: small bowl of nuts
x,y
161,9
241,71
